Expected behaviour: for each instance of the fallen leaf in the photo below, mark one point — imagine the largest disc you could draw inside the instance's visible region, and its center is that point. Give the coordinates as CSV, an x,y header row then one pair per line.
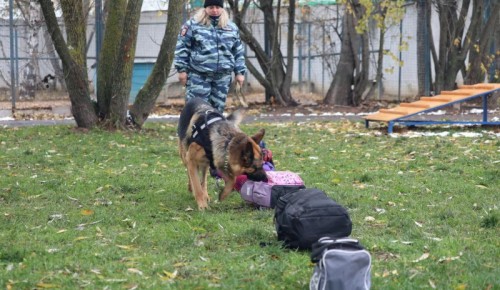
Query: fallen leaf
x,y
461,287
336,181
115,280
55,217
369,219
168,276
87,212
481,186
418,224
72,198
80,238
135,271
423,257
433,286
449,259
125,247
46,285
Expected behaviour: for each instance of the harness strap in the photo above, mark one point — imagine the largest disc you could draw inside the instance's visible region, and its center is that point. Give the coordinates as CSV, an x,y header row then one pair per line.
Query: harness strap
x,y
201,134
204,125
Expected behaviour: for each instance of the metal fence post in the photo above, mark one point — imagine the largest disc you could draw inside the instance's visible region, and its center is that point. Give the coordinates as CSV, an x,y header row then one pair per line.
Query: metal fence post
x,y
12,77
427,83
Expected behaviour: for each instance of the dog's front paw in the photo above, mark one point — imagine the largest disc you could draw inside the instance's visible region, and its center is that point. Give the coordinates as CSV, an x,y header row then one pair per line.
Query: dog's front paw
x,y
202,206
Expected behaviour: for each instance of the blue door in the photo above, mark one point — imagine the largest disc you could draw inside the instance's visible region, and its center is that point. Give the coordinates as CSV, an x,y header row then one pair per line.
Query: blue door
x,y
139,76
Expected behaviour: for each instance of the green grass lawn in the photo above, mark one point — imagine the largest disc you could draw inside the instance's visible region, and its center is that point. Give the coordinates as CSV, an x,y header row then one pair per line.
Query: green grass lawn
x,y
104,210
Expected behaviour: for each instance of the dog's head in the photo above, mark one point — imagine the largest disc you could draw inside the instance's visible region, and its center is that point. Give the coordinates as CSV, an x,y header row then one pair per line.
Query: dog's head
x,y
250,157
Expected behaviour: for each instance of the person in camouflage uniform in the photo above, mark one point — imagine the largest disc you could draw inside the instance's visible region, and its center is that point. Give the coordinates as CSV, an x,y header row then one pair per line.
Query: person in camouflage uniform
x,y
208,51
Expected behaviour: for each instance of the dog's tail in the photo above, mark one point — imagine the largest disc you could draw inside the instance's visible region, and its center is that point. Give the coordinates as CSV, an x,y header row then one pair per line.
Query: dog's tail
x,y
236,117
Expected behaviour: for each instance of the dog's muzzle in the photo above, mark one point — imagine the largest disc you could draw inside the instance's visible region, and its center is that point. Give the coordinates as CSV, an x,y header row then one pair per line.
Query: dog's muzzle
x,y
258,175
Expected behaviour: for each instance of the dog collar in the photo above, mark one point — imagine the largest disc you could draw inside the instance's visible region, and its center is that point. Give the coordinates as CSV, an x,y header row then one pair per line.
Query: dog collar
x,y
226,158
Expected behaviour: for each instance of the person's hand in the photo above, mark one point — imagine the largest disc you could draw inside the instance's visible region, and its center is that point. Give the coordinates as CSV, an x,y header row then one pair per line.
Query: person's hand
x,y
183,77
240,79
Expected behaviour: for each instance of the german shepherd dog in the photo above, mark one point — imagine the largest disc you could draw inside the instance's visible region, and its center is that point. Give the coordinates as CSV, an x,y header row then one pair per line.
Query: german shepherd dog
x,y
208,139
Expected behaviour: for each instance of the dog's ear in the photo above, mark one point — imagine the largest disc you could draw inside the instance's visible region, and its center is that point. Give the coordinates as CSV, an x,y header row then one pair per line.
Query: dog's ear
x,y
247,155
258,137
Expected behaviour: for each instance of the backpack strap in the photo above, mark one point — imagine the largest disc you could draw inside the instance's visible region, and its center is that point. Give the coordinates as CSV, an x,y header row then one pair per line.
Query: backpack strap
x,y
325,243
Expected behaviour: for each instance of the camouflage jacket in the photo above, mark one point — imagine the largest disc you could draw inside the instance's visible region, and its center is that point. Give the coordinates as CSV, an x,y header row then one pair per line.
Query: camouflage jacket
x,y
209,49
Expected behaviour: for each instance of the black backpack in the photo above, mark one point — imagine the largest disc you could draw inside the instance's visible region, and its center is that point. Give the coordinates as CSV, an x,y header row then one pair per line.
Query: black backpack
x,y
304,216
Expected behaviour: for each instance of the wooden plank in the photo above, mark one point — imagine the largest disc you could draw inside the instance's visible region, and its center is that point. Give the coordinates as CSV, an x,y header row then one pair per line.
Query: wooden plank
x,y
432,104
416,105
475,87
381,117
437,99
457,93
490,86
393,111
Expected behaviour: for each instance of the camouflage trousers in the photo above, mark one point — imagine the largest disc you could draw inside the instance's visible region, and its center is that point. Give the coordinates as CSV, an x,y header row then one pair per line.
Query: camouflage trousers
x,y
211,87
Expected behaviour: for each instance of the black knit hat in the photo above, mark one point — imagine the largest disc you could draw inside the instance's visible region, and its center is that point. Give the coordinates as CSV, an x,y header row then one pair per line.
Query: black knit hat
x,y
219,3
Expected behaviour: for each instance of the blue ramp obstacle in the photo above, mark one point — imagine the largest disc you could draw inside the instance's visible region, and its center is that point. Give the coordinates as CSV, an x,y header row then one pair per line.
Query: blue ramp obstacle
x,y
405,113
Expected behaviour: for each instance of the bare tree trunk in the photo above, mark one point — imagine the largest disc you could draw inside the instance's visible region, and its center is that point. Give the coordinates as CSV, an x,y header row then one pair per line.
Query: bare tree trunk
x,y
74,73
423,65
122,79
380,67
276,74
340,92
480,58
76,23
109,53
361,82
287,81
274,71
454,45
495,78
146,98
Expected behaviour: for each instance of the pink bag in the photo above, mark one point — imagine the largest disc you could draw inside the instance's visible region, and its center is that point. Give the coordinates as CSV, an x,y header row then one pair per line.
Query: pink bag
x,y
266,194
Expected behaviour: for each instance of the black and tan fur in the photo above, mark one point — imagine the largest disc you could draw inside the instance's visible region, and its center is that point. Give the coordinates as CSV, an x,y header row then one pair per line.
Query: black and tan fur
x,y
234,153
